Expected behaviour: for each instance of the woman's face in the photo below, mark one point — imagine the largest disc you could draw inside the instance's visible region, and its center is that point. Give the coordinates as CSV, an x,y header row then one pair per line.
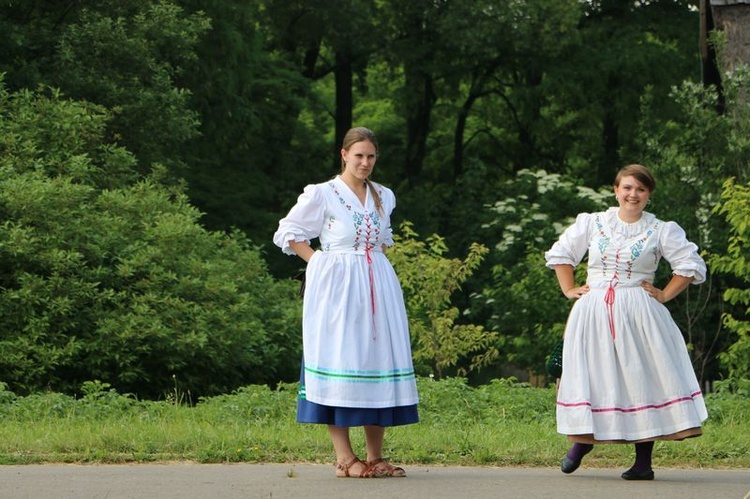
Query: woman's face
x,y
359,159
632,196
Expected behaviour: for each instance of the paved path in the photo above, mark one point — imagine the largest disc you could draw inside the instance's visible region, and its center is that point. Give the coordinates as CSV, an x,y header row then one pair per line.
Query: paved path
x,y
280,481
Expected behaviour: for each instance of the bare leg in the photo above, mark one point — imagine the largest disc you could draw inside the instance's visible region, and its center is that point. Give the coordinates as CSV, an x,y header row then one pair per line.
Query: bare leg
x,y
341,443
374,439
345,457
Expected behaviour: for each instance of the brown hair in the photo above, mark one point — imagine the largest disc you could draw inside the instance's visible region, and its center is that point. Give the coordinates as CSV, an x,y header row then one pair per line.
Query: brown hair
x,y
358,134
641,174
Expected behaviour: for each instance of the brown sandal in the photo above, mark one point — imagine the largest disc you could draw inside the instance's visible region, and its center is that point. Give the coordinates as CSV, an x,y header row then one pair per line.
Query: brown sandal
x,y
387,469
367,470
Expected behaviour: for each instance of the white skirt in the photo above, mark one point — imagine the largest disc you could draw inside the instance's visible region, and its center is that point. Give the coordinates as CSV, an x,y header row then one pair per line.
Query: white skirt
x,y
357,350
633,381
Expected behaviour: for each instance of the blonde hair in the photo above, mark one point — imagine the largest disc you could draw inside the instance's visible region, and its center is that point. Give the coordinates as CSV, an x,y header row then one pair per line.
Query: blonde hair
x,y
359,134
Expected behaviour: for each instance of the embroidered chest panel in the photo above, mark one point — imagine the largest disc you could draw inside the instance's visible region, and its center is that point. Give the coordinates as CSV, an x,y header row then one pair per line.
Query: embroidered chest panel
x,y
366,224
618,258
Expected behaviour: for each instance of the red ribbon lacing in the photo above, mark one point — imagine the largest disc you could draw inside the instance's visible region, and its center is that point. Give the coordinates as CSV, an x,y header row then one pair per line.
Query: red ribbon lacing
x,y
372,287
609,299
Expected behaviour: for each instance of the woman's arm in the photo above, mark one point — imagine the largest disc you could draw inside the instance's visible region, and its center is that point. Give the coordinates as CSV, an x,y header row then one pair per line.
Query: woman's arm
x,y
303,249
674,287
566,278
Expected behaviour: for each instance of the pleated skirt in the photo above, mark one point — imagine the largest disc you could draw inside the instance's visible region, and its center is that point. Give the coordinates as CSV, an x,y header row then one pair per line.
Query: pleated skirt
x,y
627,374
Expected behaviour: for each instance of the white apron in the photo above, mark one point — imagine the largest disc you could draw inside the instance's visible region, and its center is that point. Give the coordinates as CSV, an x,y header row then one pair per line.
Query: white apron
x,y
357,350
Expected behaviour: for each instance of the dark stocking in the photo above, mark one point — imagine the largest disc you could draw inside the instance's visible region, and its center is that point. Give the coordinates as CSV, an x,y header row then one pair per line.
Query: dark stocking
x,y
577,452
643,452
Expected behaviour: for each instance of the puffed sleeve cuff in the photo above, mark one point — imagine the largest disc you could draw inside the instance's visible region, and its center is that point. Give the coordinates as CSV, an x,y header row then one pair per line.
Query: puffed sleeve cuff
x,y
304,221
681,254
388,199
388,241
572,245
285,239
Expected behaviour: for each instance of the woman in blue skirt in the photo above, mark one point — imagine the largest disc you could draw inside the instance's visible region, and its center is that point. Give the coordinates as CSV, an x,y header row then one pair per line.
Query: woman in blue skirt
x,y
357,366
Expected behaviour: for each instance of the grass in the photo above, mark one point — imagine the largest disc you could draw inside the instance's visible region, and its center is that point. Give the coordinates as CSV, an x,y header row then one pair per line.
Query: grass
x,y
500,424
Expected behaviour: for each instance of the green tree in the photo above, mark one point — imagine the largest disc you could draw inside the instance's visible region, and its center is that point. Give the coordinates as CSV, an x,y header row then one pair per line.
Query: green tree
x,y
429,280
128,58
626,48
243,167
735,207
125,56
692,155
520,300
492,88
312,32
509,53
122,284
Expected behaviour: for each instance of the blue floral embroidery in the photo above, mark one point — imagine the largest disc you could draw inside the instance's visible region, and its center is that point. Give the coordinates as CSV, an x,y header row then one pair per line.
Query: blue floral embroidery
x,y
366,224
636,249
604,241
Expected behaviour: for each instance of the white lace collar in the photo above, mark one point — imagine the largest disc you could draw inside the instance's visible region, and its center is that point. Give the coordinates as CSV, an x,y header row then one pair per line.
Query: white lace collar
x,y
625,229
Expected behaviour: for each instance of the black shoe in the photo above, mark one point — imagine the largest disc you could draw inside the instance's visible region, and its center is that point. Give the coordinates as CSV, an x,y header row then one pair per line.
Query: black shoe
x,y
638,475
568,465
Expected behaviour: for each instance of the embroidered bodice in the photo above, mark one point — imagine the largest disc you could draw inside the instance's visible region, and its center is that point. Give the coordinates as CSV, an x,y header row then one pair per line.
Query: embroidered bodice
x,y
626,253
331,212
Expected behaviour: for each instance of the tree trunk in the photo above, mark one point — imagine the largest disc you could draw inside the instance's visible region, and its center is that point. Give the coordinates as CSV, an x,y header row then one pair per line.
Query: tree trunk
x,y
419,102
733,18
710,74
458,137
344,102
610,136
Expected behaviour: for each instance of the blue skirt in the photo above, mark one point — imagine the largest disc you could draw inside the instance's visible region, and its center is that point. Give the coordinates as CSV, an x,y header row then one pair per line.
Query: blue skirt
x,y
310,412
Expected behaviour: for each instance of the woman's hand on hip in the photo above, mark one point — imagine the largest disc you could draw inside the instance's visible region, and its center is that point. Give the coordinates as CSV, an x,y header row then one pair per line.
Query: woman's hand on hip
x,y
653,291
576,292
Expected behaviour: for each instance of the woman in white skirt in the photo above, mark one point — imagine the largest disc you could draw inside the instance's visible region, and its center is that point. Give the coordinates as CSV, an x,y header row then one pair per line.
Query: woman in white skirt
x,y
357,366
627,376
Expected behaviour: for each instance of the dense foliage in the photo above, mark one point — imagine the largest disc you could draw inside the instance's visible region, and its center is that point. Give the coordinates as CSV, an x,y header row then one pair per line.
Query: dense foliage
x,y
429,280
122,283
148,149
736,209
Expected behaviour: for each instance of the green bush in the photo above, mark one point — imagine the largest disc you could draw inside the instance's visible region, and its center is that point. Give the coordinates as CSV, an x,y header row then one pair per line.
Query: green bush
x,y
521,300
429,281
102,277
735,206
